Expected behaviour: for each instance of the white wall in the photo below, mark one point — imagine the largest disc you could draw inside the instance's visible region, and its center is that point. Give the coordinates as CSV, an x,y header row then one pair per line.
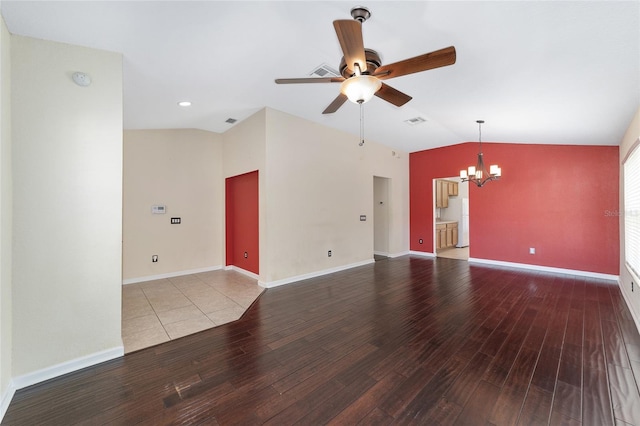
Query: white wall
x,y
5,219
633,298
181,169
319,182
67,207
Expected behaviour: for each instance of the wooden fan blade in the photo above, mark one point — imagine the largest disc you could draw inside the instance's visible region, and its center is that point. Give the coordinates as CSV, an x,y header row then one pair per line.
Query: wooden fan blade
x,y
309,80
349,33
436,59
337,103
392,95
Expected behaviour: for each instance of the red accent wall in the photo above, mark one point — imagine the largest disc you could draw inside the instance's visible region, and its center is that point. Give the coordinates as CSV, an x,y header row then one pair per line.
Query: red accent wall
x,y
242,222
560,199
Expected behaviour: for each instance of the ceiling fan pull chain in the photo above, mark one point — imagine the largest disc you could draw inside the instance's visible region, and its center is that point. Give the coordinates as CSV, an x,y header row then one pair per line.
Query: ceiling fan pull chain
x,y
361,124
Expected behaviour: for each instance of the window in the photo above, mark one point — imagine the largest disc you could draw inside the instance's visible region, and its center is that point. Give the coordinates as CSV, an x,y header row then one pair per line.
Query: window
x,y
632,210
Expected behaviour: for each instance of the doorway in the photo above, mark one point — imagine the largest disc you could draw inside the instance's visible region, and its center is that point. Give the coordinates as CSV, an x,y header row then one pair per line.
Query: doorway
x,y
242,222
451,218
380,217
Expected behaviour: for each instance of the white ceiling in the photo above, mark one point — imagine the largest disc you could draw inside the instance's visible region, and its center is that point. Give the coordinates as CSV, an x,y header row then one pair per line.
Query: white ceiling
x,y
550,72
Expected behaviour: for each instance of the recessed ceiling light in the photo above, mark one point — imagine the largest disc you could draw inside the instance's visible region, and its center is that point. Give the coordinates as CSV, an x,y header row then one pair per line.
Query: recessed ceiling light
x,y
184,103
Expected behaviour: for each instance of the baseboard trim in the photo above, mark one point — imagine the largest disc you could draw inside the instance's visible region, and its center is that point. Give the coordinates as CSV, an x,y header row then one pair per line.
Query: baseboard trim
x,y
7,396
381,253
67,367
422,253
169,275
297,278
242,271
547,269
402,253
636,320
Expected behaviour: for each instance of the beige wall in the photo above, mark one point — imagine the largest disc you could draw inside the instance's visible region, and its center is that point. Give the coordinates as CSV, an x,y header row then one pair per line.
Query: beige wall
x,y
380,215
5,216
314,184
67,204
244,148
633,298
319,182
182,170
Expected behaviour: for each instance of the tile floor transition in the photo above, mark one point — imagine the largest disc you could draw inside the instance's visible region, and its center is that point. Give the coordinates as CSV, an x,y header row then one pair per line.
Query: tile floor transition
x,y
157,311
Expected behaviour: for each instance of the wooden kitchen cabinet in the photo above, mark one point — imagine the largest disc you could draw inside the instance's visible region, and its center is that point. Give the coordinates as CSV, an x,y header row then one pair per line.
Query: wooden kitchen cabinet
x,y
441,236
452,188
444,190
455,234
442,194
446,235
452,234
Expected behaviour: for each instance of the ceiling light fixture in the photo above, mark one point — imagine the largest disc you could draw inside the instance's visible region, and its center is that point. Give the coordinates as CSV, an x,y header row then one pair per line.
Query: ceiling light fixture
x,y
360,88
184,103
479,174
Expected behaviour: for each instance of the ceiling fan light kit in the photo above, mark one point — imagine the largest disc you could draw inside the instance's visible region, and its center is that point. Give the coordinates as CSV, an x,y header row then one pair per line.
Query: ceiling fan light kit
x,y
360,88
478,174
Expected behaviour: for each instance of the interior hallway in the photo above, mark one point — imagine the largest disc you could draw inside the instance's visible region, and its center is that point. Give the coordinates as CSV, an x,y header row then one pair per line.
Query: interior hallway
x,y
155,312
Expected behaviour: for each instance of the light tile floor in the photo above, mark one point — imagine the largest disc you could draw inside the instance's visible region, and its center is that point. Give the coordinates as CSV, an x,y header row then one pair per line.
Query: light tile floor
x,y
454,253
157,311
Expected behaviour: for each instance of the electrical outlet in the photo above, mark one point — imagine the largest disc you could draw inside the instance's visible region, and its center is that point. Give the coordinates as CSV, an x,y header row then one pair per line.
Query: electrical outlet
x,y
329,253
420,241
246,255
154,258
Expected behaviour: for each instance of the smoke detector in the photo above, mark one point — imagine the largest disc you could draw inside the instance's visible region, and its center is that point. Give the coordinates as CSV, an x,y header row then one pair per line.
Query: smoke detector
x,y
81,79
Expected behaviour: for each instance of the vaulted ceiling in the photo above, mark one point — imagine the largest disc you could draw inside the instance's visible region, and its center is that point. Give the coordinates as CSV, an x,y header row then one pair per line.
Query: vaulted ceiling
x,y
537,72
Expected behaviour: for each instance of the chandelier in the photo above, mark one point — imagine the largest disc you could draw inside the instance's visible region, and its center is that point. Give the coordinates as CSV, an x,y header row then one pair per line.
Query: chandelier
x,y
478,174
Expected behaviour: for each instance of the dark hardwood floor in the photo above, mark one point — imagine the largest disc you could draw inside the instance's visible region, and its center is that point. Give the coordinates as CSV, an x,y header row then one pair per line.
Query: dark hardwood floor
x,y
402,341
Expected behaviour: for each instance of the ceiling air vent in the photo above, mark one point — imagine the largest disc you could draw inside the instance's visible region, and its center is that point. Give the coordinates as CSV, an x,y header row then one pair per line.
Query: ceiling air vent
x,y
414,121
230,120
324,70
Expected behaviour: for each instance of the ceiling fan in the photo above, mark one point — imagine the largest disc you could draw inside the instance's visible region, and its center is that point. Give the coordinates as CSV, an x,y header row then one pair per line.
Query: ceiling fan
x,y
362,71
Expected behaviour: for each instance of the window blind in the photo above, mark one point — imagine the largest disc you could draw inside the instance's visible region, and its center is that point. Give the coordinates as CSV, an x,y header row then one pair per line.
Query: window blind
x,y
632,211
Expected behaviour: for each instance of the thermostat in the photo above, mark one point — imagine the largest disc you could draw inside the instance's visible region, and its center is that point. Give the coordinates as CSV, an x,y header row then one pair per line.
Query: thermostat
x,y
158,209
